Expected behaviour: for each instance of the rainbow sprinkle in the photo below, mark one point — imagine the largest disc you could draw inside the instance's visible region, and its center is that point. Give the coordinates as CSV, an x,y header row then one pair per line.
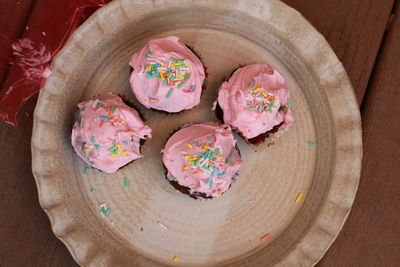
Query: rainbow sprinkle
x,y
116,149
126,182
259,100
264,237
162,226
175,258
208,161
86,171
106,211
104,117
174,73
311,144
110,116
299,195
169,93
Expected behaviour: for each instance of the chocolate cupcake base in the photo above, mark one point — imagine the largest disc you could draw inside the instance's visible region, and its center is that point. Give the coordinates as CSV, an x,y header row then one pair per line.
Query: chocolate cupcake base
x,y
195,195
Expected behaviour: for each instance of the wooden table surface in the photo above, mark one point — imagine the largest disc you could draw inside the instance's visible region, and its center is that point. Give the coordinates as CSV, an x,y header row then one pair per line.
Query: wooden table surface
x,y
365,34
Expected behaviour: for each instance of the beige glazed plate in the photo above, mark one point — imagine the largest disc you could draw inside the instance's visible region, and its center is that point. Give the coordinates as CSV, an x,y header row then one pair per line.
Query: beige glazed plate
x,y
149,223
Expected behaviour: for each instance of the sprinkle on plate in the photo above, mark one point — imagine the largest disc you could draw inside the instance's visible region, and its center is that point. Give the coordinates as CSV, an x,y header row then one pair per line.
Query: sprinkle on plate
x,y
162,226
86,171
299,195
311,144
126,182
264,237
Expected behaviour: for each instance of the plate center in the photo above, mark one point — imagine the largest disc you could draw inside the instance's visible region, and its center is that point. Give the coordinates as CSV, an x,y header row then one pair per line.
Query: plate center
x,y
152,218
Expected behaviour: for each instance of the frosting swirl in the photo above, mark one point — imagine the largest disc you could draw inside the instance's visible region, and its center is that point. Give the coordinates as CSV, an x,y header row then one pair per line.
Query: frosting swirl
x,y
202,157
107,133
167,75
255,100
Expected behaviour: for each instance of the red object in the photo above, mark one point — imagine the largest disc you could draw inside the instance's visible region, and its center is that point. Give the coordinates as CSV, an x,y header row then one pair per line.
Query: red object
x,y
45,35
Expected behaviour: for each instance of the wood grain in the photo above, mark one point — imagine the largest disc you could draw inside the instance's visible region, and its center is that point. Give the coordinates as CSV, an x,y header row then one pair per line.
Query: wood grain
x,y
353,28
25,230
371,236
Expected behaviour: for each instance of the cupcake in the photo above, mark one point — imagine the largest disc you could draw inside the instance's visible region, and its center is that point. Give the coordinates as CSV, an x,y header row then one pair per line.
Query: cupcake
x,y
107,133
255,102
202,160
167,75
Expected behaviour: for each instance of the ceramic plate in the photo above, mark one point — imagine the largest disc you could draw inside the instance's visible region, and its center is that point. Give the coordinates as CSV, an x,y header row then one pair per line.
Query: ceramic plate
x,y
151,224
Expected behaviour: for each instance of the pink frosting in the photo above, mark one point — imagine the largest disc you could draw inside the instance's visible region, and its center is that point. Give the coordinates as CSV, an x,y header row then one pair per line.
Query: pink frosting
x,y
107,133
202,157
161,83
255,99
